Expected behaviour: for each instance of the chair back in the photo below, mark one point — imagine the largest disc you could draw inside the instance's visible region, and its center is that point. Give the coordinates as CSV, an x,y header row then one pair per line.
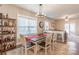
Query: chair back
x,y
22,39
54,37
48,39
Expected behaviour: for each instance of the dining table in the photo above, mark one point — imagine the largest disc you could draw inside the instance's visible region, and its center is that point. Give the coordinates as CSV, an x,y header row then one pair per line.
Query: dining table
x,y
36,39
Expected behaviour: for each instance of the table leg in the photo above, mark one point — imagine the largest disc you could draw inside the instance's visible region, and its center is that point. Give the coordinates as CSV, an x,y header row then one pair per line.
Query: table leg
x,y
36,49
45,51
50,49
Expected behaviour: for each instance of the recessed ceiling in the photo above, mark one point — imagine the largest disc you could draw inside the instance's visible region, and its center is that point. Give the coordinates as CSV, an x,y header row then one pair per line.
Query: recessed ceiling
x,y
53,10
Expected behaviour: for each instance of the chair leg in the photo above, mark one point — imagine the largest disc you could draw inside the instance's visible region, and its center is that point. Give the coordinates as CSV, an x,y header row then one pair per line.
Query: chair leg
x,y
35,49
45,51
53,47
38,50
25,51
50,49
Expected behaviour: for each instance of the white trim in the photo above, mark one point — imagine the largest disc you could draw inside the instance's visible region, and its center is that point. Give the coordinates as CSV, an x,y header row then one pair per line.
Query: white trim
x,y
29,17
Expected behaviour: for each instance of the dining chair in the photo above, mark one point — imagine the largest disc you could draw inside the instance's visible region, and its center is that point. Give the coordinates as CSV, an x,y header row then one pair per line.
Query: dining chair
x,y
54,41
46,43
27,44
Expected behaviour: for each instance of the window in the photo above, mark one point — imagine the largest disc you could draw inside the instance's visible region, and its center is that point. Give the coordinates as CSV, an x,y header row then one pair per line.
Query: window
x,y
32,26
70,27
67,27
46,25
26,26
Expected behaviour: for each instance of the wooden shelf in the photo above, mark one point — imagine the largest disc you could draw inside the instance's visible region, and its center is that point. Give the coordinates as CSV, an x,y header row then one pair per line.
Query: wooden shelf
x,y
9,34
6,25
7,19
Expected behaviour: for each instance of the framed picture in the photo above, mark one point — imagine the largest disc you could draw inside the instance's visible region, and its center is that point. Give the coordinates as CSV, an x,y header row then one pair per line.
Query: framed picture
x,y
41,24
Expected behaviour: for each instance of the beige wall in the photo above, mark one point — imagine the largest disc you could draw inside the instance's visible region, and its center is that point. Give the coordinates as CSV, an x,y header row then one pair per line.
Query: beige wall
x,y
59,24
51,24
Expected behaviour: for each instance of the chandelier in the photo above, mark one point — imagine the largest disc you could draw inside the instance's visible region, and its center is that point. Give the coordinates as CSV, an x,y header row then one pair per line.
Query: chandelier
x,y
40,12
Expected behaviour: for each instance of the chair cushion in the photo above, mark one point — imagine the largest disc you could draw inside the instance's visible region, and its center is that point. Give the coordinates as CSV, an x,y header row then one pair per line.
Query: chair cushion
x,y
30,44
43,44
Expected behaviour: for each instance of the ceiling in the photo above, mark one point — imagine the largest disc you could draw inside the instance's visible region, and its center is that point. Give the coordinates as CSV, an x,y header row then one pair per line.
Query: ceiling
x,y
54,10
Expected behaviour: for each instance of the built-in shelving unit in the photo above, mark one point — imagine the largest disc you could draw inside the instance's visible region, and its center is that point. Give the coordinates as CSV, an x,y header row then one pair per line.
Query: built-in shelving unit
x,y
7,33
